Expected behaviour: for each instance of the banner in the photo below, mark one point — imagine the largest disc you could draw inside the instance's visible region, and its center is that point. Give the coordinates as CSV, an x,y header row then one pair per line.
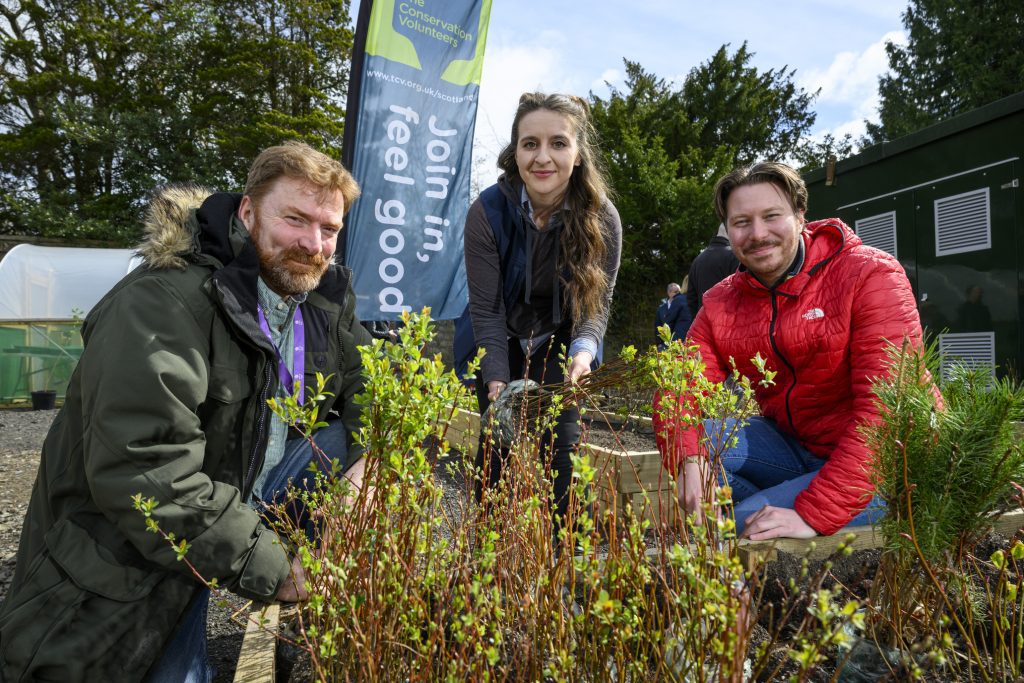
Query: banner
x,y
419,80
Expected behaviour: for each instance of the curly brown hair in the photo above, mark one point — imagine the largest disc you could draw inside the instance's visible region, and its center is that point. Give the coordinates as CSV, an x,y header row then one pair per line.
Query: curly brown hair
x,y
583,249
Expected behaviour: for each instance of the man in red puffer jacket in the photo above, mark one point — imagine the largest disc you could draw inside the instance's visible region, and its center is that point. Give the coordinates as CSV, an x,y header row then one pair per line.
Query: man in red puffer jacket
x,y
820,306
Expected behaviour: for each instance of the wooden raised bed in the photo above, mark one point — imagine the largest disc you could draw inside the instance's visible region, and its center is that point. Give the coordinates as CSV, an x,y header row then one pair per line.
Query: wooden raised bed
x,y
256,660
622,478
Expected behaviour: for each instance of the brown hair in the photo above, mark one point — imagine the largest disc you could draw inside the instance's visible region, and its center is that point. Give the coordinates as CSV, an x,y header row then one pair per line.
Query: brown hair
x,y
583,250
781,176
299,161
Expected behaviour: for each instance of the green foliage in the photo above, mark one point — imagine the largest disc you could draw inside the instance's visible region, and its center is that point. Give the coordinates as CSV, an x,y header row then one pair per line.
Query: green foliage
x,y
147,507
104,101
304,416
816,153
943,467
666,145
959,56
410,582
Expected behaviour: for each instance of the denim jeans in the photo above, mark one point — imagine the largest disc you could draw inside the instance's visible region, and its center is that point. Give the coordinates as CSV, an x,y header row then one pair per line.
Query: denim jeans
x,y
184,660
768,467
294,468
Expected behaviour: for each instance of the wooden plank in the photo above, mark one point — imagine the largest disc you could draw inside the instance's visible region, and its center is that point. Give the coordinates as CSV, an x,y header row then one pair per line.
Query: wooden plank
x,y
642,471
755,553
259,646
464,432
817,548
633,471
1009,523
864,537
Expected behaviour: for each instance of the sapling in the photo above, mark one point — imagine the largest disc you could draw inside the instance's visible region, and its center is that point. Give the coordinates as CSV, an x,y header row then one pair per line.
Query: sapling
x,y
945,465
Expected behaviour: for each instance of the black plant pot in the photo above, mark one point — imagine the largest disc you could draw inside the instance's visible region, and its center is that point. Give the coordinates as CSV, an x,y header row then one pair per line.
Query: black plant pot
x,y
45,399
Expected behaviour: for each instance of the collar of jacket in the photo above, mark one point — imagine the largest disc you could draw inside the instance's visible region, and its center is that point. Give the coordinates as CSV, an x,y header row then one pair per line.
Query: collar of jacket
x,y
822,241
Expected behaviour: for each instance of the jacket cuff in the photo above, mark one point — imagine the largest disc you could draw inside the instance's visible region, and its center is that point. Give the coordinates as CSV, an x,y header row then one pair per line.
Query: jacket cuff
x,y
583,344
816,522
266,569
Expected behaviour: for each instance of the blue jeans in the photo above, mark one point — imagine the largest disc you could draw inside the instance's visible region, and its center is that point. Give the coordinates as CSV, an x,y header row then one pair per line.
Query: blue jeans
x,y
767,467
294,469
184,660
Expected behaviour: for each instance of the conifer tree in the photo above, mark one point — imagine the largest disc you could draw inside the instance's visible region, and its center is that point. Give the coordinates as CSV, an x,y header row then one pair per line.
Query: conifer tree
x,y
960,55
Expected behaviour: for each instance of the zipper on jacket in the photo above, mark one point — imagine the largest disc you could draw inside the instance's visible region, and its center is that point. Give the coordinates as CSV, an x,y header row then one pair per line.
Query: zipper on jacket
x,y
261,423
339,400
775,348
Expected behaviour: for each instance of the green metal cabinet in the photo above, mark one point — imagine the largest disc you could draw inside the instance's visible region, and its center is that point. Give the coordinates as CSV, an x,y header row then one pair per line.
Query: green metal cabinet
x,y
946,201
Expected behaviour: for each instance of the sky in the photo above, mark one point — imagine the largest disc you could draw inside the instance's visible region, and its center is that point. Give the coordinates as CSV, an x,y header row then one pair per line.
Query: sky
x,y
578,46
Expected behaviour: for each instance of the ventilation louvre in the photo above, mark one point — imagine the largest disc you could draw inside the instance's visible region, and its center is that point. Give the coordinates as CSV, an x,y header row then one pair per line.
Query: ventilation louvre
x,y
878,231
963,223
968,349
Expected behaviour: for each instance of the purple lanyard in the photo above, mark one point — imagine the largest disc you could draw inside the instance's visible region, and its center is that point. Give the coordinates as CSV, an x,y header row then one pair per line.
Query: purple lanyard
x,y
299,357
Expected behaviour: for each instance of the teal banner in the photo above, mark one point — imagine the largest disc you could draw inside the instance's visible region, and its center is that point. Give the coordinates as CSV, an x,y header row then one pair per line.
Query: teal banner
x,y
412,155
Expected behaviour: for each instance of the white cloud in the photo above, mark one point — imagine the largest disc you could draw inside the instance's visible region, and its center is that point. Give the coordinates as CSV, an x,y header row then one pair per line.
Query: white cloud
x,y
852,77
509,70
850,83
613,76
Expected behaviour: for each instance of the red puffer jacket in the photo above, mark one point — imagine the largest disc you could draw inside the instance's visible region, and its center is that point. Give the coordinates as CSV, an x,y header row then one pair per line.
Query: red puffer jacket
x,y
822,331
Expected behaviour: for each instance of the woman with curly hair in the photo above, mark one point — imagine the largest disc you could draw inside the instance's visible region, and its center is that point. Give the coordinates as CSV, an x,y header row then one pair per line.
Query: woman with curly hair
x,y
542,250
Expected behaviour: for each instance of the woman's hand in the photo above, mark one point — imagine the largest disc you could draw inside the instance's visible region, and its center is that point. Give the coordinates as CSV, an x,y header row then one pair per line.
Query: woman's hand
x,y
494,389
580,365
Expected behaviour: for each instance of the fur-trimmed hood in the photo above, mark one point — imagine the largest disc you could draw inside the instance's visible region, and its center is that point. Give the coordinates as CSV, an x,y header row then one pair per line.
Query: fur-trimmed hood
x,y
189,224
169,226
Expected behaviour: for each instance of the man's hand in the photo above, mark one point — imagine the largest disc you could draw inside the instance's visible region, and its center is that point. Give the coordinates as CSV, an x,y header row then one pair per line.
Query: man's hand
x,y
494,389
580,365
691,485
773,522
294,588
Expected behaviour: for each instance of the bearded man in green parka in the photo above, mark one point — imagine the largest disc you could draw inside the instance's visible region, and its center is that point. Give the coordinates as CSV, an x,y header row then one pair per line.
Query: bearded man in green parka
x,y
238,301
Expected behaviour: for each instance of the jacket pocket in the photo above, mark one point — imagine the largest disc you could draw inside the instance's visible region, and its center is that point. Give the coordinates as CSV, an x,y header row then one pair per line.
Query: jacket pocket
x,y
93,568
76,607
38,615
228,384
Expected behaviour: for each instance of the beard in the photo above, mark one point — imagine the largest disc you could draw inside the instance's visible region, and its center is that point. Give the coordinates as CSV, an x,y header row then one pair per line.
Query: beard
x,y
289,271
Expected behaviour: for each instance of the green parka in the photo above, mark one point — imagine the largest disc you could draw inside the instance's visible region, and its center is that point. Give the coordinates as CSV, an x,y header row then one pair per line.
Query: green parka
x,y
168,400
